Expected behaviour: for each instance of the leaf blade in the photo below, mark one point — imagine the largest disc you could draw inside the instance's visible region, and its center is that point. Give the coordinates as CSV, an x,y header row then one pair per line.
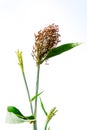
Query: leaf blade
x,y
34,97
43,108
15,116
14,110
59,50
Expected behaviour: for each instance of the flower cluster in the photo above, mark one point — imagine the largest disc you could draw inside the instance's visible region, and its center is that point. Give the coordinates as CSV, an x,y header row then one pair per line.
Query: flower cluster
x,y
45,40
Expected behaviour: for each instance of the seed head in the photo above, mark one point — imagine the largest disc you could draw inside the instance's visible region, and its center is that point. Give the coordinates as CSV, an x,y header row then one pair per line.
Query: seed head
x,y
45,40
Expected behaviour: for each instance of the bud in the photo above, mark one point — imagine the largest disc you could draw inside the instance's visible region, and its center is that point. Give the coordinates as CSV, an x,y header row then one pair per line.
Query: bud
x,y
20,59
45,40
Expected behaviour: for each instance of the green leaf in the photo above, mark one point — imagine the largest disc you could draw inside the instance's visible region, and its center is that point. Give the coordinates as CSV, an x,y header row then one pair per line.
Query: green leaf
x,y
15,111
15,116
43,108
34,97
60,49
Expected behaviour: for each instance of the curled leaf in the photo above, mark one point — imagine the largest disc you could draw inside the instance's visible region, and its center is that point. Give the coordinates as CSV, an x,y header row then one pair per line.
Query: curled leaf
x,y
15,116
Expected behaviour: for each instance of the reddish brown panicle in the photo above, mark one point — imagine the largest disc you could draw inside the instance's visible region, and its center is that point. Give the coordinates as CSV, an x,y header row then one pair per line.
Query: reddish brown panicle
x,y
45,40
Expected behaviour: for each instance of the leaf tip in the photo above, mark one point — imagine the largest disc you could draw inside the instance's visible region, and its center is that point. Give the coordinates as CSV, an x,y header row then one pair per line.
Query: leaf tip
x,y
76,44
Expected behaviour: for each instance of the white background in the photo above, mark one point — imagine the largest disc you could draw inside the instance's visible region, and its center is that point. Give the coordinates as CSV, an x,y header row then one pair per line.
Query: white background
x,y
63,80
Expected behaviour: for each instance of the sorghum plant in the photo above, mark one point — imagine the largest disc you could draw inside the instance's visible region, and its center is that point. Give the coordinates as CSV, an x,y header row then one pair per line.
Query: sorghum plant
x,y
45,47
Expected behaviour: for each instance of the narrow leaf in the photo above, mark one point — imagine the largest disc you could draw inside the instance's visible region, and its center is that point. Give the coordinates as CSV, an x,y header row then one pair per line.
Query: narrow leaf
x,y
60,49
34,97
43,108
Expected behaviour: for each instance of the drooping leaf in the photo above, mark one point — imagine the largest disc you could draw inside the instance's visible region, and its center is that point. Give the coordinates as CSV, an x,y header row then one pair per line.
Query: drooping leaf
x,y
15,111
15,116
43,108
60,49
34,97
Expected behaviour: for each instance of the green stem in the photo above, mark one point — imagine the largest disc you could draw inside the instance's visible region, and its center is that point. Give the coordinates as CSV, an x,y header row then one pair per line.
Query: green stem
x,y
45,128
27,91
37,88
